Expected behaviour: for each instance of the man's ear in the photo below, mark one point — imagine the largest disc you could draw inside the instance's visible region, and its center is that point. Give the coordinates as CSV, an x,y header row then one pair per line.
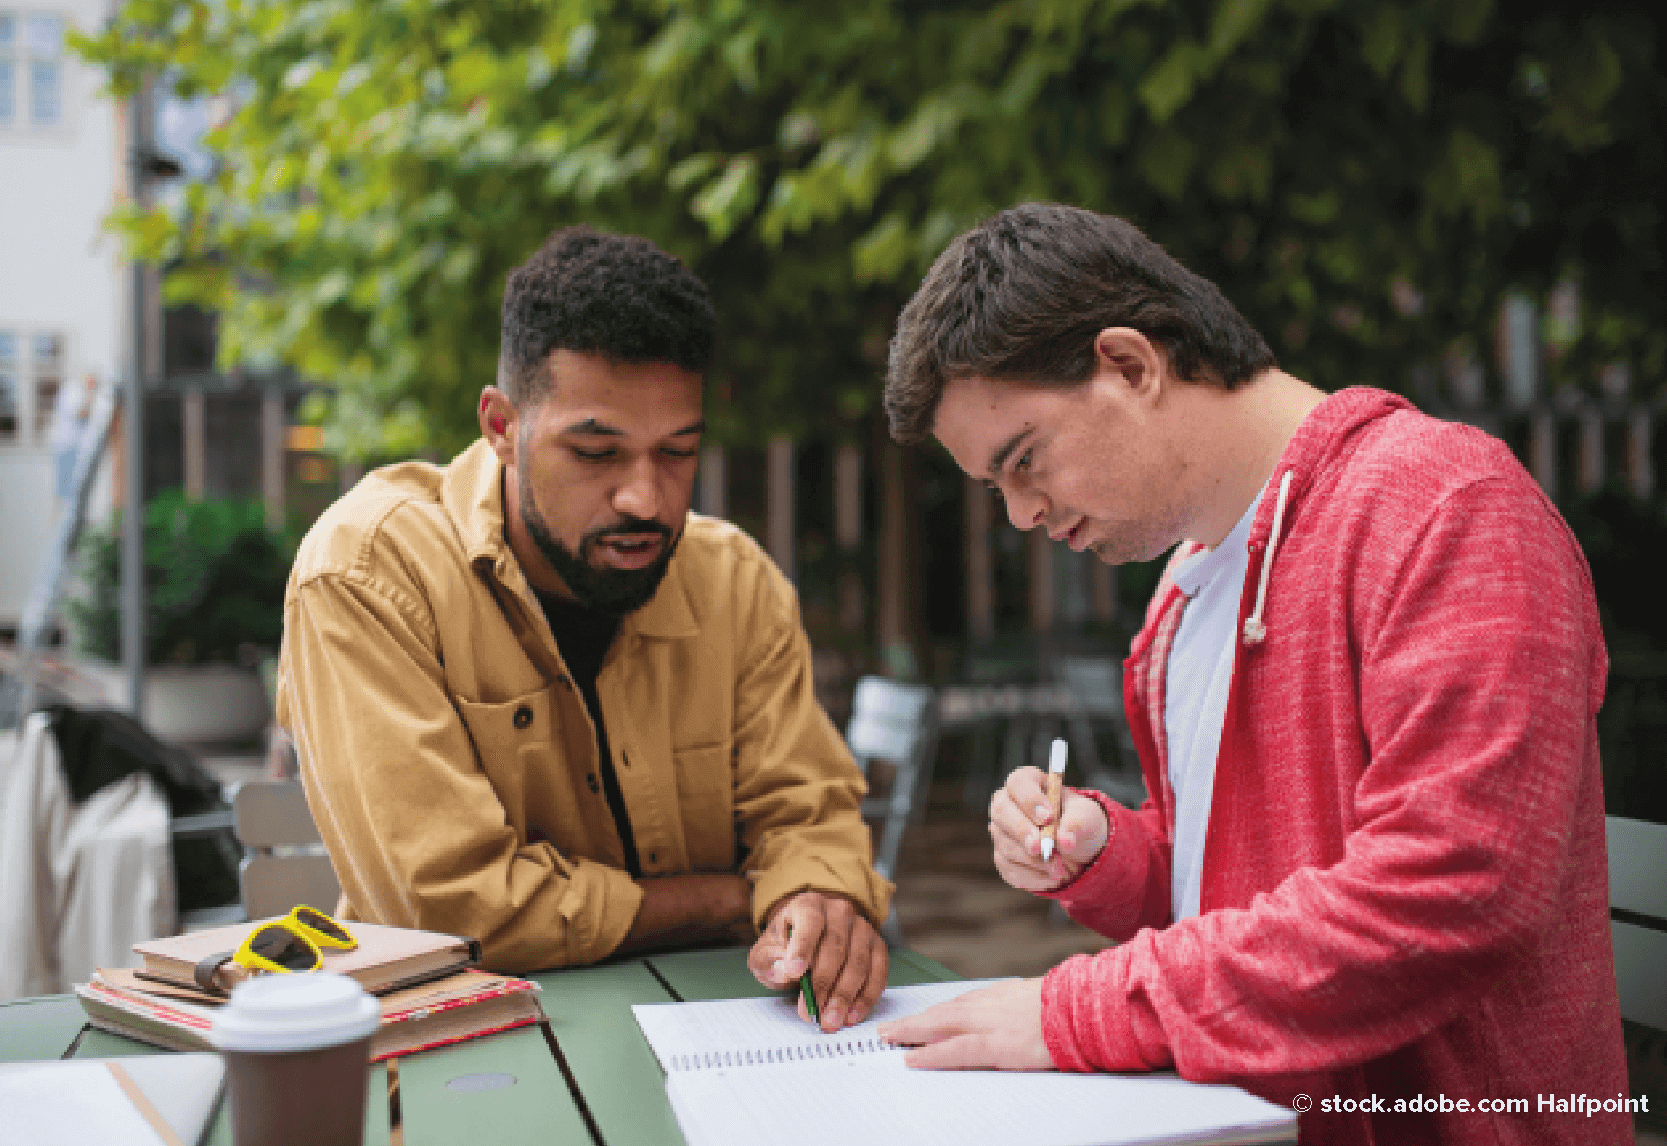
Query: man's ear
x,y
1136,360
498,417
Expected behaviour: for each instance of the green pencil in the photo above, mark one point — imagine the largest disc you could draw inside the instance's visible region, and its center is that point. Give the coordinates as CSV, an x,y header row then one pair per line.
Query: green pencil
x,y
809,997
805,991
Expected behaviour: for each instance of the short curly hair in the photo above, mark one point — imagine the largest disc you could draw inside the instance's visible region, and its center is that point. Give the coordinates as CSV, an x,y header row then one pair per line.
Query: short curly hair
x,y
1020,297
592,292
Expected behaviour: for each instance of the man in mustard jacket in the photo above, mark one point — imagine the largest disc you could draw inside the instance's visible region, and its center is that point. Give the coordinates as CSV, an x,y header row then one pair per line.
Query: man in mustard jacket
x,y
539,702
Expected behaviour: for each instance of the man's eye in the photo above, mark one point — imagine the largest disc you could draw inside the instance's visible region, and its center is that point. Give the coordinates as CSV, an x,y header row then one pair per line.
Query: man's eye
x,y
1024,462
682,455
592,455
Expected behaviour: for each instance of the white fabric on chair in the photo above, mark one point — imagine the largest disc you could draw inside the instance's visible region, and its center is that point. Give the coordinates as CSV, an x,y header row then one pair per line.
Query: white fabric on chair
x,y
79,884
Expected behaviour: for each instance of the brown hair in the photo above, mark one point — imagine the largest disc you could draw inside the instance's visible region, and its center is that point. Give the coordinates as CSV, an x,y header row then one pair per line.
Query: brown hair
x,y
1021,297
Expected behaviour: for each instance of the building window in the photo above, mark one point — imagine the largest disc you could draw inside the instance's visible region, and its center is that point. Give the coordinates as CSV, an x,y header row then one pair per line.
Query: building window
x,y
49,380
9,389
31,69
8,69
44,44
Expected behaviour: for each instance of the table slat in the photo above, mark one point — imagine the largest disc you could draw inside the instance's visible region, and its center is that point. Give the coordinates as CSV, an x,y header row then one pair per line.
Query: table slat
x,y
102,1044
910,967
39,1028
538,1107
590,1015
719,973
723,974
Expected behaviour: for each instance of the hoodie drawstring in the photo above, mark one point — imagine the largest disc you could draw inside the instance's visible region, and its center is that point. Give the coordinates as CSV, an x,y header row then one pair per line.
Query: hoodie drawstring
x,y
1255,632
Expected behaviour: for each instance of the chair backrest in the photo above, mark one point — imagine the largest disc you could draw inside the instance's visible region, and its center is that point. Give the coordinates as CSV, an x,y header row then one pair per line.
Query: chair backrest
x,y
1638,917
286,863
889,720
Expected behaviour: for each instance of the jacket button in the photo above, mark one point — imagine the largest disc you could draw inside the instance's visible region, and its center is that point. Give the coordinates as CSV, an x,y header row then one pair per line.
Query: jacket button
x,y
523,716
594,786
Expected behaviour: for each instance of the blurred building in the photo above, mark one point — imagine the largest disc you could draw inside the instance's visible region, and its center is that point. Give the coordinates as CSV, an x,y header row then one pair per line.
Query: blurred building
x,y
74,314
62,279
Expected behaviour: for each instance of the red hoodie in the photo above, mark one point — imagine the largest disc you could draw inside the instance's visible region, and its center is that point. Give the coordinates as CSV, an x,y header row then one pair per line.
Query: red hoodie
x,y
1405,888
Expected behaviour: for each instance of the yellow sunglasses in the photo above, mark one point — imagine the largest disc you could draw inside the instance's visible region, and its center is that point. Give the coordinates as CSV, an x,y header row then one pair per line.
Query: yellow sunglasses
x,y
293,943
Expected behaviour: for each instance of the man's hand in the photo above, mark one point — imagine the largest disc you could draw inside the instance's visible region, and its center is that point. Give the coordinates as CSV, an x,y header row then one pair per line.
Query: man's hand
x,y
1018,813
992,1028
847,959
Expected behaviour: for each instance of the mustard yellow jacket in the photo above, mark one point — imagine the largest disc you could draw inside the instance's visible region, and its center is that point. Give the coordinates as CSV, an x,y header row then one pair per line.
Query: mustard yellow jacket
x,y
452,767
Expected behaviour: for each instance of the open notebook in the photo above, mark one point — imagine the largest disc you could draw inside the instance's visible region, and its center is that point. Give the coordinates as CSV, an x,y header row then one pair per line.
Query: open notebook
x,y
745,1071
166,1100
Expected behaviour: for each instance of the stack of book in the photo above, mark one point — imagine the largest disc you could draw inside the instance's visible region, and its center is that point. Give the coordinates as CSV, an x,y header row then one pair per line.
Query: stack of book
x,y
430,992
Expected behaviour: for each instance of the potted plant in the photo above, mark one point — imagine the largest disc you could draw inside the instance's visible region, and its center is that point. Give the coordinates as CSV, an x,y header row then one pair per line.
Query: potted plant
x,y
214,593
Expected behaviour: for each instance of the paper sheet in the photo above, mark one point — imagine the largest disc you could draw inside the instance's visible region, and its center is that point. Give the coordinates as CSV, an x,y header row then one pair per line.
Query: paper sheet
x,y
750,1071
692,1036
878,1100
75,1102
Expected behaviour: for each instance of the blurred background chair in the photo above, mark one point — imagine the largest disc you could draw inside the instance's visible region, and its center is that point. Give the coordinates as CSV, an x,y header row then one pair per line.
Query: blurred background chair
x,y
897,724
284,862
1638,926
1099,732
1081,699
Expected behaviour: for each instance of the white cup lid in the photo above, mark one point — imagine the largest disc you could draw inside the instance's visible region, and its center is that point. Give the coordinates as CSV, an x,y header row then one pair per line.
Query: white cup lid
x,y
290,1012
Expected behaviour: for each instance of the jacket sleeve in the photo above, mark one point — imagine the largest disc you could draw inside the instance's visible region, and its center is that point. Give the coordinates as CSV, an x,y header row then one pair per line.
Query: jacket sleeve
x,y
1127,886
416,833
798,794
1479,671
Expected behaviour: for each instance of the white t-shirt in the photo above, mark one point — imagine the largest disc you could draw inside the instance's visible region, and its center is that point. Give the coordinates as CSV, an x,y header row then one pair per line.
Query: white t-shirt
x,y
1200,672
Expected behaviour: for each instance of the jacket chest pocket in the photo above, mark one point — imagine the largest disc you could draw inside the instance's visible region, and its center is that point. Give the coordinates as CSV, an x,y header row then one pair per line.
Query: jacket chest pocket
x,y
706,799
523,749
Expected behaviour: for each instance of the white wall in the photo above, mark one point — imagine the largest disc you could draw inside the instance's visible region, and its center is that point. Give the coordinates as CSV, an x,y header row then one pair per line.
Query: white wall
x,y
59,271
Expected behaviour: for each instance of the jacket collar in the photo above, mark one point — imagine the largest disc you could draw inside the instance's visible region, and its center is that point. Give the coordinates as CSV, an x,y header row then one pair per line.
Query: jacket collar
x,y
1320,438
472,493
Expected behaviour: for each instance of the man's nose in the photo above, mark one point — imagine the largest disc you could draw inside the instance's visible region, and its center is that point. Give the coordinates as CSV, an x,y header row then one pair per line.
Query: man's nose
x,y
1026,510
638,495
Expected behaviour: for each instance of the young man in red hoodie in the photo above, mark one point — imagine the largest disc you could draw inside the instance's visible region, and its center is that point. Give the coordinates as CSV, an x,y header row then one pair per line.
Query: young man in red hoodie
x,y
1370,881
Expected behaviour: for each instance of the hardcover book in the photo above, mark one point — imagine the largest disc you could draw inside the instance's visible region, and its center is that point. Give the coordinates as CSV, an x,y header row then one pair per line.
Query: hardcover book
x,y
463,1005
386,959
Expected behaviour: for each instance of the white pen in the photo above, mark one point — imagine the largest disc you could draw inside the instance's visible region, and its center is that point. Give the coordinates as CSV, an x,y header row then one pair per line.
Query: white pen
x,y
1056,791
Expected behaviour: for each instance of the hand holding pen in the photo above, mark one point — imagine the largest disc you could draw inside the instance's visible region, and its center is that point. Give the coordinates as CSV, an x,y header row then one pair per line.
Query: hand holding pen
x,y
1043,841
822,948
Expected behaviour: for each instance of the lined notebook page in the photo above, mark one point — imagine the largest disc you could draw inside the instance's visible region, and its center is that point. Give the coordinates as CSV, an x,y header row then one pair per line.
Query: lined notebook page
x,y
750,1071
877,1101
733,1032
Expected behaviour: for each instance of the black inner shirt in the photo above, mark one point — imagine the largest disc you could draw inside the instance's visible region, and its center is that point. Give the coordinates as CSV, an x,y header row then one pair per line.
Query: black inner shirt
x,y
583,636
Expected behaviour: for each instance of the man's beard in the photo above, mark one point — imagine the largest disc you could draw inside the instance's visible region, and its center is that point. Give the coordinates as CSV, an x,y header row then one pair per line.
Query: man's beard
x,y
612,591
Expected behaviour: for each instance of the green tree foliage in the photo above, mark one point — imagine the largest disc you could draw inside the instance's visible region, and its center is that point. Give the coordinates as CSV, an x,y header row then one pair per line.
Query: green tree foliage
x,y
1365,179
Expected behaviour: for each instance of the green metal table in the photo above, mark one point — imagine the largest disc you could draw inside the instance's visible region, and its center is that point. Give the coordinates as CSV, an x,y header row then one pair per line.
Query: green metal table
x,y
588,1078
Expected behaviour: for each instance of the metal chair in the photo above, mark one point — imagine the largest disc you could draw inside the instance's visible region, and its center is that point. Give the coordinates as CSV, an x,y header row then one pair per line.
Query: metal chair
x,y
897,723
1638,930
284,861
1638,917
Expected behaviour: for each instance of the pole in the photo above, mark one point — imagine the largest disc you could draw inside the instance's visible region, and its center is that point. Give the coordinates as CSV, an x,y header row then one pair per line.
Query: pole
x,y
133,434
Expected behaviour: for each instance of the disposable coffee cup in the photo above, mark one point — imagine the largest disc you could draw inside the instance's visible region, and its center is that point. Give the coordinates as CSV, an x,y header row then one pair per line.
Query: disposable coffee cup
x,y
297,1051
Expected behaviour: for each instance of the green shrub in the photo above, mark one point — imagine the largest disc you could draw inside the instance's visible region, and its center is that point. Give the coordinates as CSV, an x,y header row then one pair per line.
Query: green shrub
x,y
214,583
